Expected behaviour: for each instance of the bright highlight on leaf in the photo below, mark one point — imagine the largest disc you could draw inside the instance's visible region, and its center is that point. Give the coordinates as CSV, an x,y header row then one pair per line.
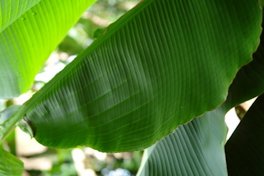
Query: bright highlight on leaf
x,y
159,66
29,31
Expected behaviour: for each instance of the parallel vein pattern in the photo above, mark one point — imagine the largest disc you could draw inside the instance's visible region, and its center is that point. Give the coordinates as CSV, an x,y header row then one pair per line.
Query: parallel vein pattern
x,y
194,149
152,70
29,32
11,10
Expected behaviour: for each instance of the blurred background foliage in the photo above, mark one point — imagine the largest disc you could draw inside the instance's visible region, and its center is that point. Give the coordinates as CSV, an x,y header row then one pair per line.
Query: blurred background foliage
x,y
93,21
42,161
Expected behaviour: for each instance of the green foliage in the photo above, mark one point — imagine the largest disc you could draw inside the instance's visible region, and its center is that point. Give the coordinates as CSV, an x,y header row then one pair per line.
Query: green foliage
x,y
9,164
129,78
29,32
249,81
196,148
241,149
151,72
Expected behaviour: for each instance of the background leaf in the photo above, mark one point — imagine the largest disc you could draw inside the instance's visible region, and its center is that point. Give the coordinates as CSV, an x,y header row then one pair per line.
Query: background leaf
x,y
29,32
9,164
244,150
196,148
152,70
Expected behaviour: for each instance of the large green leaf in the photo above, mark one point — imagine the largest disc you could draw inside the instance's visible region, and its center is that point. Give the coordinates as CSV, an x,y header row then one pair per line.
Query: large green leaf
x,y
244,150
159,66
29,31
196,148
166,157
9,164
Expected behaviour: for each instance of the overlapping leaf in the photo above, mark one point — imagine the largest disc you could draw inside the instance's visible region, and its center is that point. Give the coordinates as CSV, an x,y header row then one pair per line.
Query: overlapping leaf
x,y
157,67
196,148
29,31
246,145
244,150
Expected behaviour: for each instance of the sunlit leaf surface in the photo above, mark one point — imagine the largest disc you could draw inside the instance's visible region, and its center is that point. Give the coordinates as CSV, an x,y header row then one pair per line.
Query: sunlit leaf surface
x,y
29,31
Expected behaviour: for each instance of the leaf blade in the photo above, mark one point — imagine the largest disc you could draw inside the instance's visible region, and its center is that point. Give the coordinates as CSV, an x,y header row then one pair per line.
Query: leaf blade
x,y
9,164
8,16
27,38
139,80
196,148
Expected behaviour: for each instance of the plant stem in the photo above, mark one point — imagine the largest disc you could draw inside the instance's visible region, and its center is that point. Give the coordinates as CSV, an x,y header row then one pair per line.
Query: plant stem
x,y
10,123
